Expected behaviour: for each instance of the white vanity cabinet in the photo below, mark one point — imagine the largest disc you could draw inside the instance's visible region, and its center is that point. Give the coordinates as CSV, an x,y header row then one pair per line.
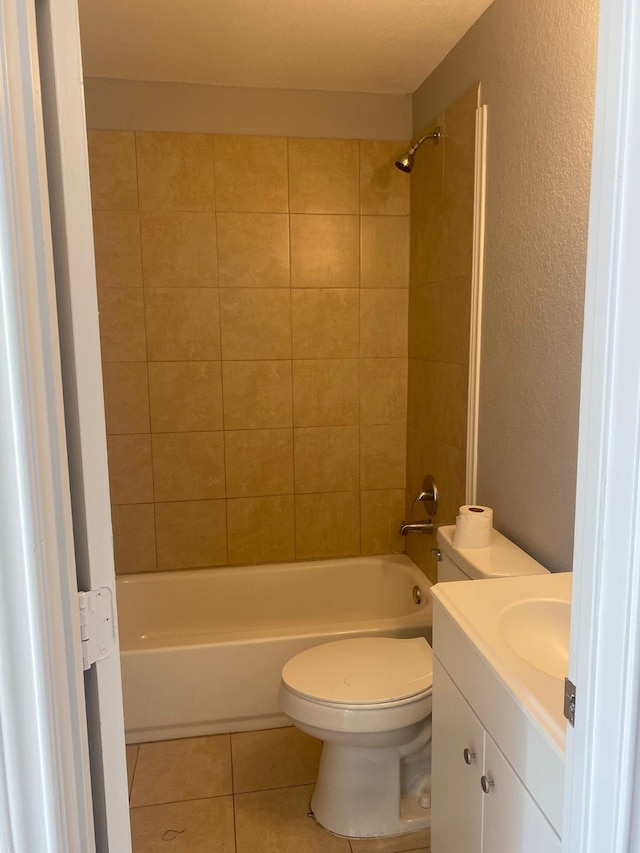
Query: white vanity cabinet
x,y
479,804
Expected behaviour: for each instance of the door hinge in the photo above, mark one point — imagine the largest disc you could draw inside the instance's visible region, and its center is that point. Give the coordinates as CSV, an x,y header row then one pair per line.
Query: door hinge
x,y
570,701
97,628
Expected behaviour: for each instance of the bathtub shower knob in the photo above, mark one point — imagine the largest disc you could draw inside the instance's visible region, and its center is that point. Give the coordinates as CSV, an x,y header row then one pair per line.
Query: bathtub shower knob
x,y
428,496
417,594
486,784
468,756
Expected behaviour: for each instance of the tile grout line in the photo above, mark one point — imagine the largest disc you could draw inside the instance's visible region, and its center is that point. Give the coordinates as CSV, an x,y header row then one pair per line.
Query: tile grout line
x,y
233,796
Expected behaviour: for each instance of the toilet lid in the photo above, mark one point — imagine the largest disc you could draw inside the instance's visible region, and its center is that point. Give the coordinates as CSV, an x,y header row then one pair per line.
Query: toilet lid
x,y
362,671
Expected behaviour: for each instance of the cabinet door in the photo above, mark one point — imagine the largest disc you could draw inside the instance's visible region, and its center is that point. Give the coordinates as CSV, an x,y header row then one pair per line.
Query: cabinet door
x,y
456,800
512,823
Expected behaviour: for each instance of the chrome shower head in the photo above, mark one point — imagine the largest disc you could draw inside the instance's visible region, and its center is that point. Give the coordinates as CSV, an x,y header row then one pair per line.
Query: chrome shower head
x,y
405,163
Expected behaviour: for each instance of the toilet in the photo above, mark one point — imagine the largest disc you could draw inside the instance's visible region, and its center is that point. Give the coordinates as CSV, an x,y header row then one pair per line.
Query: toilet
x,y
369,700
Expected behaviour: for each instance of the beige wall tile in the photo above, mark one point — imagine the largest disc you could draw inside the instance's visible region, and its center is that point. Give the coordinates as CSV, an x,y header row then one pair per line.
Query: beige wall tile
x,y
183,324
175,171
178,248
122,333
257,394
385,251
382,456
420,460
424,322
447,465
323,175
384,188
450,468
441,408
253,249
383,322
350,345
261,530
423,395
191,534
325,392
327,525
207,825
326,459
255,323
412,392
457,239
453,310
383,390
325,323
324,251
459,171
441,246
381,513
126,397
116,235
427,194
418,549
134,538
259,462
251,174
130,470
276,758
185,396
188,466
184,769
112,167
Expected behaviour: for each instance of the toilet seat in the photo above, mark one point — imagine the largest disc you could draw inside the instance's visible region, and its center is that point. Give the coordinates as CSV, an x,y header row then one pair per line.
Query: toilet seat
x,y
366,673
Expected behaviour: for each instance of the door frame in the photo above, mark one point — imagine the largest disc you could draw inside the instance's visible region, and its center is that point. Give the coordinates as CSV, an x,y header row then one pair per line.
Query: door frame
x,y
64,785
602,760
43,783
45,797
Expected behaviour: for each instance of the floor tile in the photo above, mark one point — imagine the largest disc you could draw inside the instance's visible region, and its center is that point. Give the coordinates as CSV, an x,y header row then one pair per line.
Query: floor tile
x,y
277,822
198,826
188,769
276,758
412,842
132,757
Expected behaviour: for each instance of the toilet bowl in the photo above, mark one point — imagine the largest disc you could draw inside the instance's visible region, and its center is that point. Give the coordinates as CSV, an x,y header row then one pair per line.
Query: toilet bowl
x,y
369,701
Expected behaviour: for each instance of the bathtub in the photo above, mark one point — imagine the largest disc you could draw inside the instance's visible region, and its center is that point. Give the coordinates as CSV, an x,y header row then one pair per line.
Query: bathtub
x,y
202,650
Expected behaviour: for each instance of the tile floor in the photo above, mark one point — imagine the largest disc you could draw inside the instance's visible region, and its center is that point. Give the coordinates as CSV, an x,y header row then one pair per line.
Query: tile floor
x,y
241,793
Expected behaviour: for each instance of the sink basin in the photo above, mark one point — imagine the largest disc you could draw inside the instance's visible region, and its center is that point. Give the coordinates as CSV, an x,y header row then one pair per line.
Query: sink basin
x,y
537,630
518,626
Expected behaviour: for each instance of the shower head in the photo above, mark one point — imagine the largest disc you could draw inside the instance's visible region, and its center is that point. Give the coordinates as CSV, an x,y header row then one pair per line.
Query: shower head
x,y
405,163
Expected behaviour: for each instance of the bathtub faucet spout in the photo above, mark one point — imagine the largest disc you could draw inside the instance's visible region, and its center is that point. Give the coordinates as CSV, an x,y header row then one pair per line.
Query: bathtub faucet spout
x,y
416,527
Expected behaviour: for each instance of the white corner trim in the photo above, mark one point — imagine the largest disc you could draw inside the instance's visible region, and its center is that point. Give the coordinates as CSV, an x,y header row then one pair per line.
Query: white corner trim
x,y
473,409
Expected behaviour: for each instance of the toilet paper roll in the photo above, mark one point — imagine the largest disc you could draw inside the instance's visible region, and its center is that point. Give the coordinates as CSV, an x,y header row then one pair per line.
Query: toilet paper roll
x,y
473,527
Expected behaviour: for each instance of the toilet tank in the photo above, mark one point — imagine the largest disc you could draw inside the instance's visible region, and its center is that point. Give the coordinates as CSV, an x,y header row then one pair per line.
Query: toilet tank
x,y
501,559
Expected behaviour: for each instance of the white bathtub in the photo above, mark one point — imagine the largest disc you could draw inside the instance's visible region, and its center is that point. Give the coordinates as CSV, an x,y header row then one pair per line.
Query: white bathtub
x,y
202,650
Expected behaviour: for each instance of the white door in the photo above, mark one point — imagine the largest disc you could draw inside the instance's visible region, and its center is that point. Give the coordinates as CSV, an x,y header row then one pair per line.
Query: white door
x,y
65,774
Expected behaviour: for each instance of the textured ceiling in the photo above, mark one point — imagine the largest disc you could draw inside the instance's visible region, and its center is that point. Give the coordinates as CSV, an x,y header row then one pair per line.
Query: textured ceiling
x,y
330,45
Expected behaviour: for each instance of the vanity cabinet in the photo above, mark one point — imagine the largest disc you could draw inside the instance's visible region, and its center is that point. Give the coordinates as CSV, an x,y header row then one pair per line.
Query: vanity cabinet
x,y
479,804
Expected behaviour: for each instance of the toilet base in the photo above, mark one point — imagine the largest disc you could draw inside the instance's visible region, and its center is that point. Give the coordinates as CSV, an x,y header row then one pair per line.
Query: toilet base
x,y
373,793
408,828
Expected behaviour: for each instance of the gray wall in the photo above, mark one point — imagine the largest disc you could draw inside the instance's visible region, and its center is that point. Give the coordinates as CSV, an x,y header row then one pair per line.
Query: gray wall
x,y
536,65
181,107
